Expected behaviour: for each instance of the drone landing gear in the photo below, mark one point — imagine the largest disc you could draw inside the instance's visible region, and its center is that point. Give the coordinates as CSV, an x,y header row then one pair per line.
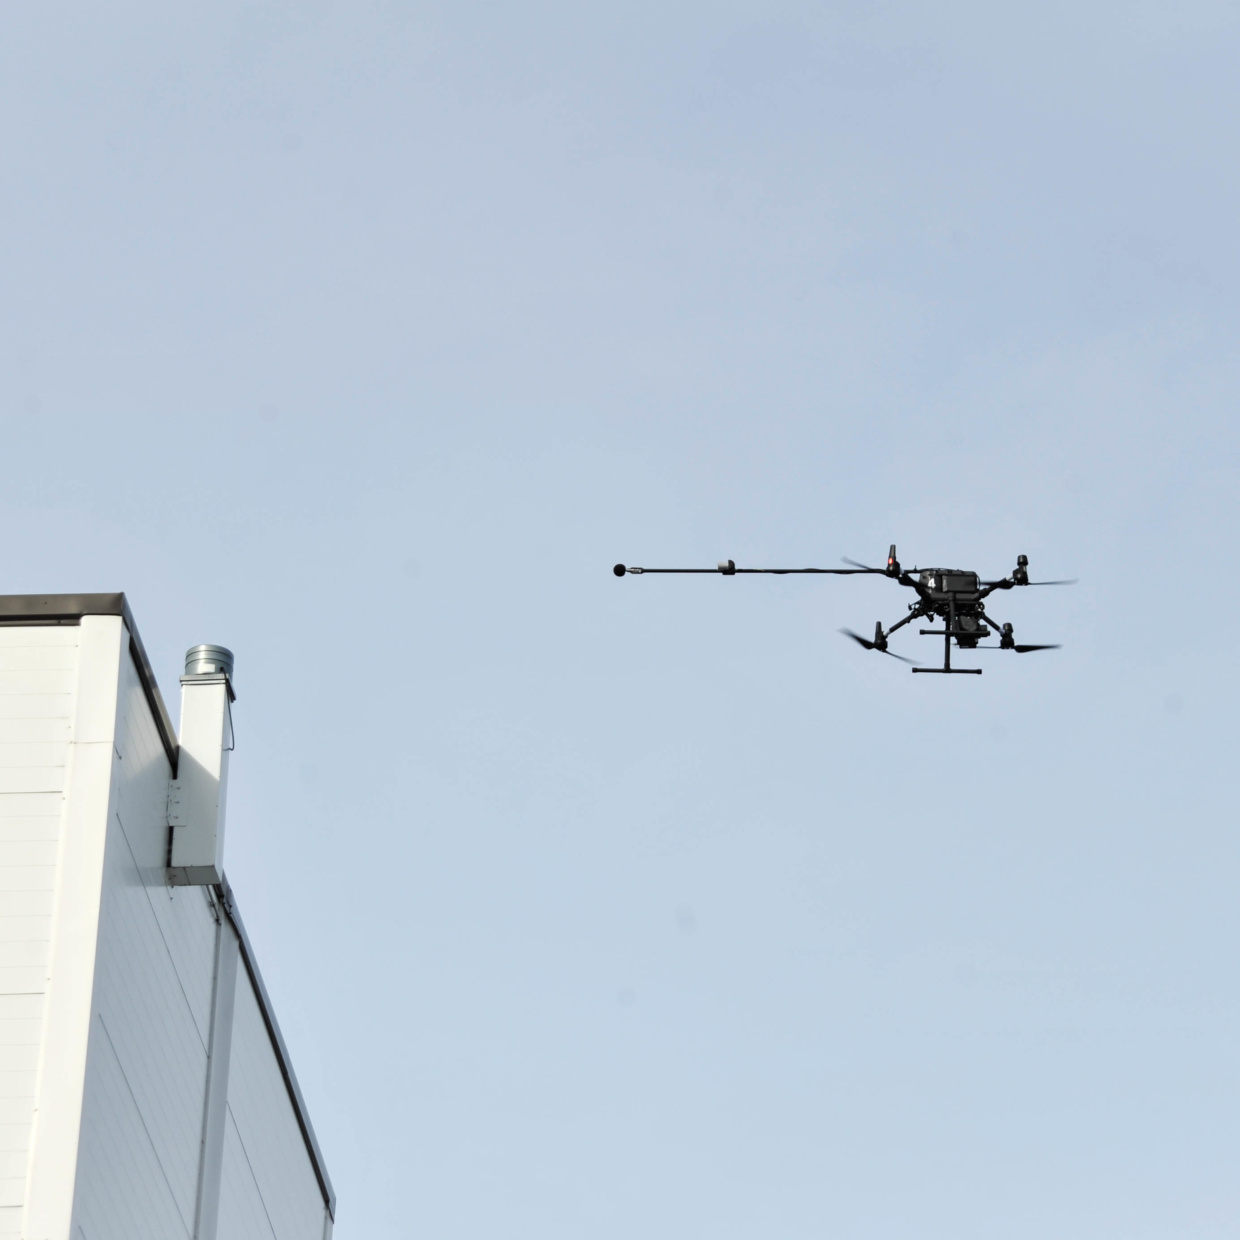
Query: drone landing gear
x,y
947,633
947,669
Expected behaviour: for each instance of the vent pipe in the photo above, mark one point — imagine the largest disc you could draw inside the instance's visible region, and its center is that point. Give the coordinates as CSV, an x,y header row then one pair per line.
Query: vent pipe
x,y
209,661
196,798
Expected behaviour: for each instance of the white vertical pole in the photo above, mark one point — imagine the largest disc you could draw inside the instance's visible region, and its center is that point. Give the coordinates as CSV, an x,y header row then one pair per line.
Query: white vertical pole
x,y
74,936
219,1053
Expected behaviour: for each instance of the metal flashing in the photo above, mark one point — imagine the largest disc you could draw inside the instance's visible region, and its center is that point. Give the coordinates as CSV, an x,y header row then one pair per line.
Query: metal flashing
x,y
228,903
19,609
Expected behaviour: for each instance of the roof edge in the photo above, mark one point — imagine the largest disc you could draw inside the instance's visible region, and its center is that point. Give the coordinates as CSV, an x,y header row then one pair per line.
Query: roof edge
x,y
229,904
19,609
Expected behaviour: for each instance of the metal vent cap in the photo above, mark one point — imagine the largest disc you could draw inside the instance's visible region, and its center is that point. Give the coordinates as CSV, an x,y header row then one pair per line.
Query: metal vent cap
x,y
209,661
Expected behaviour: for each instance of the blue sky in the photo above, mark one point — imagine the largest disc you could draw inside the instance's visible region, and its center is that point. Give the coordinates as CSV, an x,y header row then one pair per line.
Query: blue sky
x,y
365,339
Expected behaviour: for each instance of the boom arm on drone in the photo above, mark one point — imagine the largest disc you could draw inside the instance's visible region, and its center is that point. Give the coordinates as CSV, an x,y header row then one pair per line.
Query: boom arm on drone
x,y
959,607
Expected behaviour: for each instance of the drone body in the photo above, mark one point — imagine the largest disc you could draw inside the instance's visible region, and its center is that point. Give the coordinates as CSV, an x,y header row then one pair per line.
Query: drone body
x,y
952,595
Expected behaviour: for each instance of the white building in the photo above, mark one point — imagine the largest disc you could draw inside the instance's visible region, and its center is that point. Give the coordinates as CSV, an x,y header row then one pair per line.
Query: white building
x,y
145,1090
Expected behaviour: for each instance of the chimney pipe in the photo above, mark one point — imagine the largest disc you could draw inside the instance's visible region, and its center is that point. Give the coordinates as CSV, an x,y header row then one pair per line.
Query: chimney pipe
x,y
196,798
208,661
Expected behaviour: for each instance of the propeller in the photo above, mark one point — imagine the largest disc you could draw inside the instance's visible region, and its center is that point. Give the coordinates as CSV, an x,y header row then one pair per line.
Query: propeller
x,y
893,565
1020,577
865,568
1005,583
1020,649
869,645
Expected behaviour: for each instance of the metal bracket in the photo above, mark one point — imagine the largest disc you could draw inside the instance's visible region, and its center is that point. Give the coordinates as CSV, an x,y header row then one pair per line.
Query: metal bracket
x,y
176,810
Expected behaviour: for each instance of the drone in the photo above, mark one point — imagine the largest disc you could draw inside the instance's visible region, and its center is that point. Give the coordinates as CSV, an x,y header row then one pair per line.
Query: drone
x,y
956,597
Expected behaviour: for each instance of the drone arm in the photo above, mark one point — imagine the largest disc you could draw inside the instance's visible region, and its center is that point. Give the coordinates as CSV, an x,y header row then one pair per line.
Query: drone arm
x,y
1006,584
833,572
906,580
621,569
899,624
1003,631
728,569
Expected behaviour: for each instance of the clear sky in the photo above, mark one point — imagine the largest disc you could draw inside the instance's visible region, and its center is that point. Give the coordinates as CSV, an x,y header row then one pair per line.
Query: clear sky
x,y
365,338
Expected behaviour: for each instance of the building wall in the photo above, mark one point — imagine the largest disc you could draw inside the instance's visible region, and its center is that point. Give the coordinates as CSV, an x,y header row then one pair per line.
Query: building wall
x,y
147,1063
268,1183
147,1059
119,999
38,674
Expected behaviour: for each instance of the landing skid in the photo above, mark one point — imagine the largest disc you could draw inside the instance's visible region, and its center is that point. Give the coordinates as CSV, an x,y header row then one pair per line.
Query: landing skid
x,y
947,633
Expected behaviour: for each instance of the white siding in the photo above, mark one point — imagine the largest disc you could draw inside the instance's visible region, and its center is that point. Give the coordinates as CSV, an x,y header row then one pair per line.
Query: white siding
x,y
38,668
146,1074
269,1190
106,977
121,1185
243,1214
148,1052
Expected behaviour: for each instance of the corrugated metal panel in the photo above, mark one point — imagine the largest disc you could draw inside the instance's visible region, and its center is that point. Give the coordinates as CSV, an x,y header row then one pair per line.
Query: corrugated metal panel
x,y
37,670
268,1132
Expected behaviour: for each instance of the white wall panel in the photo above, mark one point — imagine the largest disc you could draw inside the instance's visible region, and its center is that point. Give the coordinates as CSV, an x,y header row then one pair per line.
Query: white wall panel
x,y
268,1132
181,915
152,994
83,792
153,984
243,1214
38,667
67,1012
121,1173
